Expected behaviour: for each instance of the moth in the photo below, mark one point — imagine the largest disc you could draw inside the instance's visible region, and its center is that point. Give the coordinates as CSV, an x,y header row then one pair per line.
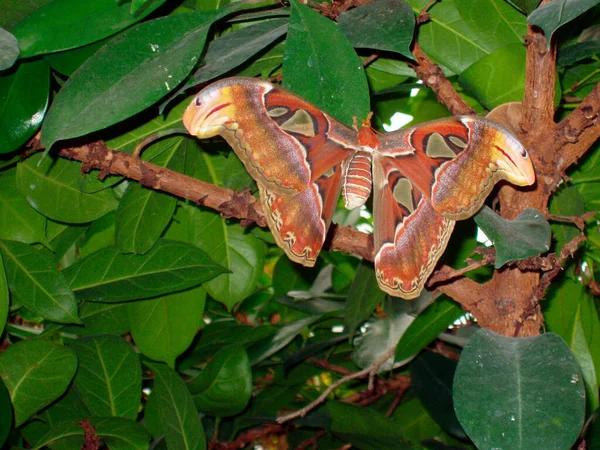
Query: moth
x,y
423,178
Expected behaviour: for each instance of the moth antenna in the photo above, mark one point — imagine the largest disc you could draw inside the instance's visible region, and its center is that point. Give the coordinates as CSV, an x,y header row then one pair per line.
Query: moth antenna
x,y
155,137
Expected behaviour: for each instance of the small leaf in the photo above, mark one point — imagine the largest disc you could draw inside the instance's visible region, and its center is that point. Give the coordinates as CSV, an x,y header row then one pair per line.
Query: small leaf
x,y
340,89
179,419
526,236
364,295
35,373
551,16
109,378
519,392
24,93
168,267
381,25
224,386
9,49
164,327
36,282
42,31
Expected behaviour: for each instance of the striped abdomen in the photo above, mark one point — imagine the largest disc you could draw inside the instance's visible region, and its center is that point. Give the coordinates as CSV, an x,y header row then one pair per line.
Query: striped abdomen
x,y
357,180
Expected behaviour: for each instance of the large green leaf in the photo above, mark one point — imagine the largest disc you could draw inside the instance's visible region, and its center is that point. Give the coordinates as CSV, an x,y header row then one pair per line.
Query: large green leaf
x,y
224,386
364,295
553,15
387,25
9,49
101,318
117,433
24,94
68,61
43,31
498,77
519,393
138,68
36,282
52,188
340,89
526,236
178,416
36,373
109,378
13,11
164,327
18,221
170,266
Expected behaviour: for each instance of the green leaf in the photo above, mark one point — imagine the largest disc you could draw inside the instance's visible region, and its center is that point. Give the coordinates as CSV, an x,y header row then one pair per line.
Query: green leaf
x,y
35,282
519,393
164,327
553,15
566,202
43,31
18,221
431,376
35,373
24,94
386,25
4,297
526,236
570,54
13,11
526,6
109,378
52,188
365,428
110,276
6,418
497,78
68,62
224,386
340,89
179,419
139,67
117,433
364,295
100,318
428,325
143,214
9,49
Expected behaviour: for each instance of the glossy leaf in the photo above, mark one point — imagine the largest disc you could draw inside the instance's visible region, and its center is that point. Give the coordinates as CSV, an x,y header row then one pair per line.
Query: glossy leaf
x,y
553,15
116,432
13,11
109,378
224,386
4,296
311,41
140,67
487,78
35,373
6,418
502,384
178,416
164,327
18,221
386,25
68,61
364,295
431,376
36,282
527,235
110,276
52,188
24,94
42,31
9,49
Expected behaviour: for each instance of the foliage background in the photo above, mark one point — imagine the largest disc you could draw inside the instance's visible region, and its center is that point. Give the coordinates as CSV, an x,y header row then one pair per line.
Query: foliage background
x,y
136,318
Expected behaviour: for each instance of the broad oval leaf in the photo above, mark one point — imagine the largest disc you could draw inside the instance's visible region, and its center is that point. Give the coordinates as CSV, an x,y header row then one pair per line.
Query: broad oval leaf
x,y
341,89
52,188
35,373
387,25
24,95
36,282
109,378
519,393
364,295
110,276
178,416
224,386
526,236
164,327
43,31
140,66
9,49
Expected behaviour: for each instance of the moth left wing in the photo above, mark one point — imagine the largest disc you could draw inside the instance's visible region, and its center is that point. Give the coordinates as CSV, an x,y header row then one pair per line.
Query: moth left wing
x,y
409,234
